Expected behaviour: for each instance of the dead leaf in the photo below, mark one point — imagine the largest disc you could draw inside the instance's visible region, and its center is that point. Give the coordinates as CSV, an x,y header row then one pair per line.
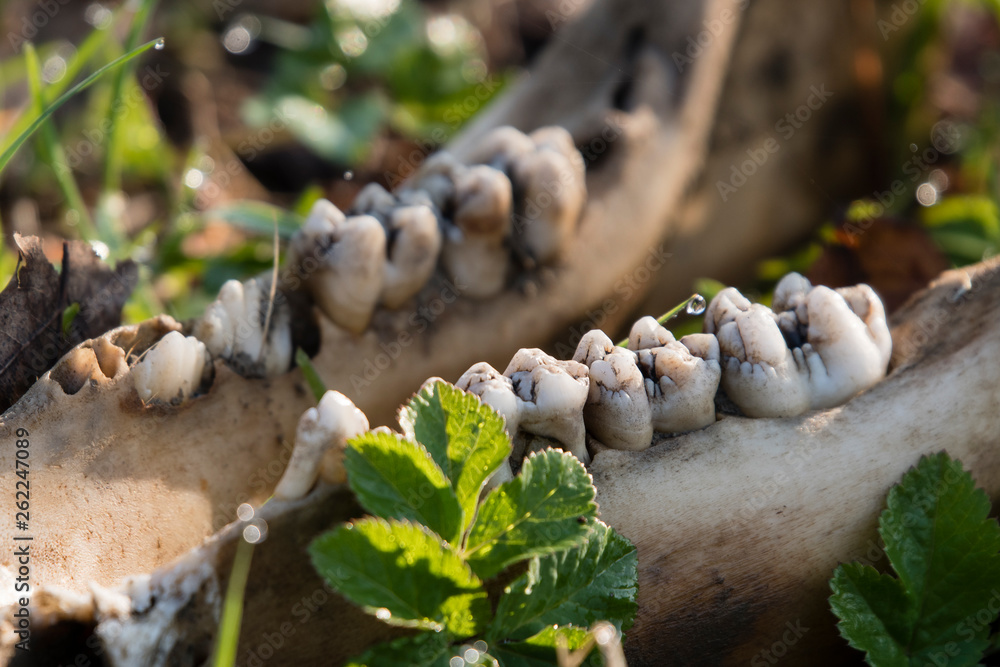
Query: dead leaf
x,y
31,308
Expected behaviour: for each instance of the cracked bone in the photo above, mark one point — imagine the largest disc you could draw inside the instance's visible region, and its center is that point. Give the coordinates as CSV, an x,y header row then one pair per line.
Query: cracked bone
x,y
475,255
232,328
320,437
342,261
172,370
552,395
681,377
617,412
821,347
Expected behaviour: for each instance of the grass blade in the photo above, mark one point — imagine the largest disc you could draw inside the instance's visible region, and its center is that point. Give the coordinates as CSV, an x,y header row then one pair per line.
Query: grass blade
x,y
39,119
228,640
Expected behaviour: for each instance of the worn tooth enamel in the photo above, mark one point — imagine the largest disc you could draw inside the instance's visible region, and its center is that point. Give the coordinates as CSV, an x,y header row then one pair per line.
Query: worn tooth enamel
x,y
232,328
681,380
647,333
842,355
413,253
502,147
320,438
435,181
724,308
819,347
342,261
477,259
552,394
495,390
170,371
617,410
373,200
558,139
551,205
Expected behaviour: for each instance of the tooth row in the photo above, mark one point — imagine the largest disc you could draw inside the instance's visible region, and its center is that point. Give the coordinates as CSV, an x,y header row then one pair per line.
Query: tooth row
x,y
815,349
821,347
171,371
232,329
320,438
521,196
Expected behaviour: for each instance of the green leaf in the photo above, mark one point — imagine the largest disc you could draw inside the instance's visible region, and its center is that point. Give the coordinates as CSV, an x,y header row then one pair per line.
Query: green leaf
x,y
542,510
403,574
594,581
428,649
396,479
539,650
464,437
872,608
947,555
68,317
315,382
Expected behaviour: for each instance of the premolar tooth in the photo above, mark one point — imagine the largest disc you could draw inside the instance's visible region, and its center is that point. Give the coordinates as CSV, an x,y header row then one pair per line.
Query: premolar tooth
x,y
342,261
495,390
232,328
647,333
373,200
171,371
617,410
682,379
865,303
413,254
502,147
320,438
478,260
553,394
724,308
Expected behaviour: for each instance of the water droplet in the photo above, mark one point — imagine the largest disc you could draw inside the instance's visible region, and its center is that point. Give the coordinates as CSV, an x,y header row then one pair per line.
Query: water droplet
x,y
696,305
471,656
251,534
456,661
927,194
160,43
100,249
481,646
348,175
604,634
244,512
383,614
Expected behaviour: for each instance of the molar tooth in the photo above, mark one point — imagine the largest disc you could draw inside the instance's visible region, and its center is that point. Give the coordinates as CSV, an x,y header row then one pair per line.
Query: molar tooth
x,y
647,333
552,395
866,304
171,371
320,438
682,379
495,390
724,308
373,200
617,410
553,198
502,147
559,140
349,258
413,254
478,260
843,355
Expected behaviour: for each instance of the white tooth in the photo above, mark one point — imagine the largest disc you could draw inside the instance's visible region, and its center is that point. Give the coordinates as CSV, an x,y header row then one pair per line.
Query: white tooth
x,y
412,255
320,438
724,308
647,333
552,200
477,261
170,372
868,306
495,390
215,330
617,411
253,341
558,139
552,394
373,200
843,356
502,147
342,262
790,293
759,372
682,379
435,181
232,303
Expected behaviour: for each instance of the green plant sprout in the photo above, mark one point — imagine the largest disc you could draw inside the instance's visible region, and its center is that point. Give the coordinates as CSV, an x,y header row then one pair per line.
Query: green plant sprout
x,y
434,537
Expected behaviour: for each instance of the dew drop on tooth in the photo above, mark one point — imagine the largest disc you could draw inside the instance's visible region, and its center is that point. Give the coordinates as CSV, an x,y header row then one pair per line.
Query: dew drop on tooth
x,y
696,305
159,44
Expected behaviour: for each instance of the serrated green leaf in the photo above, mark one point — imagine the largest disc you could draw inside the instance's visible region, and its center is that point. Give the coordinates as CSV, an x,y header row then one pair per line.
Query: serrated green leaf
x,y
405,570
594,581
428,649
947,555
464,437
539,650
396,479
872,608
543,510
